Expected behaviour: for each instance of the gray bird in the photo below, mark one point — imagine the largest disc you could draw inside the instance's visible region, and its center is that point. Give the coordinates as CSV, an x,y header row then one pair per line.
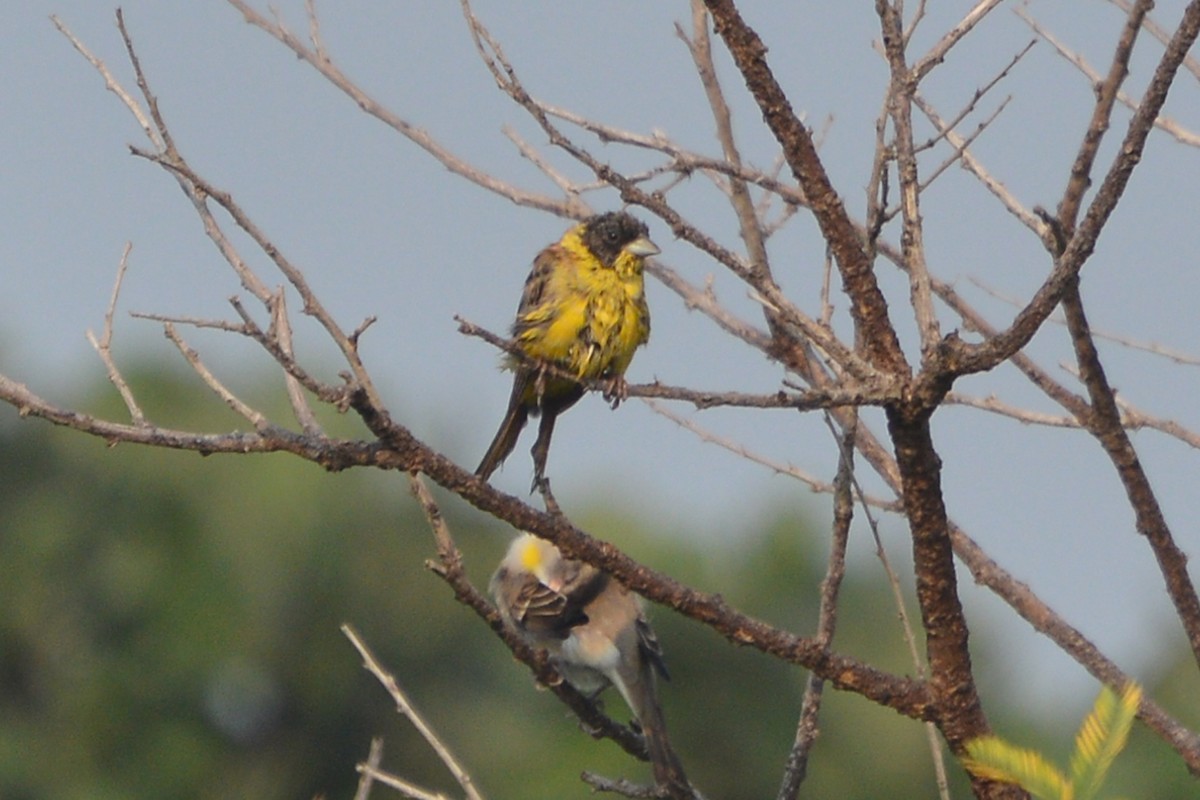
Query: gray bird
x,y
595,630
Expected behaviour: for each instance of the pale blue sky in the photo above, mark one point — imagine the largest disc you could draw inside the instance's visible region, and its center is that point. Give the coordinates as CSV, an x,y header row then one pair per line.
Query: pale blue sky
x,y
380,228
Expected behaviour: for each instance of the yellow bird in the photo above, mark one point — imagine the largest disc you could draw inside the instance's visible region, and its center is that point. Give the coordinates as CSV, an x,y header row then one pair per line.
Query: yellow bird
x,y
584,313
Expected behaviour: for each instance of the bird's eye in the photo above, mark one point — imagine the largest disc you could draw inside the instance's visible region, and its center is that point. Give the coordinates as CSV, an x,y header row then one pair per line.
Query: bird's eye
x,y
612,235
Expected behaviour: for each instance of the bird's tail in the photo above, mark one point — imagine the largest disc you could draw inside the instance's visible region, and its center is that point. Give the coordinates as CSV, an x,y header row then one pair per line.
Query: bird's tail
x,y
667,768
510,428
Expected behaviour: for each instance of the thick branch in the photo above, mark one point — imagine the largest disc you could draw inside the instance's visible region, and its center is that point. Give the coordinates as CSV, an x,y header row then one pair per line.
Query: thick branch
x,y
959,713
1105,425
332,454
904,695
1106,97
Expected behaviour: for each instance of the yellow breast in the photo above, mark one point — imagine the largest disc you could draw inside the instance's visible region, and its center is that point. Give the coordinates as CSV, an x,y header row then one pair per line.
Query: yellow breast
x,y
592,317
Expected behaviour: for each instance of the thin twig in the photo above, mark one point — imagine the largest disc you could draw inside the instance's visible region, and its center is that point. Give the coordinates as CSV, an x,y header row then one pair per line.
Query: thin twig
x,y
937,54
912,239
281,332
958,150
399,784
405,707
103,345
621,786
255,417
1153,348
979,94
320,61
111,83
194,322
1162,121
796,766
528,151
365,768
1023,415
976,168
778,467
1191,64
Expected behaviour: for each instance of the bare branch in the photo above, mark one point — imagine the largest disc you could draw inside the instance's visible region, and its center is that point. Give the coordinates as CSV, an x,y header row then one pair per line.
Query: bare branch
x,y
749,225
1024,415
1157,31
194,322
281,332
790,470
404,706
365,768
1106,97
1105,424
111,84
1154,348
1134,419
980,93
1082,243
256,418
796,766
867,306
957,155
1163,122
103,345
399,784
912,238
705,301
319,60
332,454
199,190
937,53
976,168
531,153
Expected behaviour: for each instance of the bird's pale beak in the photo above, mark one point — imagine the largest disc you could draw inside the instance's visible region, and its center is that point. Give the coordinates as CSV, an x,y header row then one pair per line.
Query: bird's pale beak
x,y
642,246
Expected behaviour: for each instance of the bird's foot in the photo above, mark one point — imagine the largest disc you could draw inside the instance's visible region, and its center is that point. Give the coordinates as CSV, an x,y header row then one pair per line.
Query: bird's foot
x,y
541,485
615,390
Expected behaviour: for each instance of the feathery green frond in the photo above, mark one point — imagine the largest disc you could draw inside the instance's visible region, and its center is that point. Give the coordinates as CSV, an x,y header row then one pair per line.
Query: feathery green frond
x,y
993,758
1101,737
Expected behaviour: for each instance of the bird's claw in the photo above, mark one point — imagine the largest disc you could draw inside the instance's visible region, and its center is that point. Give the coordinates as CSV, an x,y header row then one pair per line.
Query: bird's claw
x,y
615,390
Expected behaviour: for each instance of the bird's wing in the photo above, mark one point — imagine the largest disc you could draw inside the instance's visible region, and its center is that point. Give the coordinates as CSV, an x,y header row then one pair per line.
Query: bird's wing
x,y
537,295
543,612
651,649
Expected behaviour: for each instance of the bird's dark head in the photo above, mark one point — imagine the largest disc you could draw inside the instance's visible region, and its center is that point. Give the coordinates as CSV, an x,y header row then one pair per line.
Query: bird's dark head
x,y
609,235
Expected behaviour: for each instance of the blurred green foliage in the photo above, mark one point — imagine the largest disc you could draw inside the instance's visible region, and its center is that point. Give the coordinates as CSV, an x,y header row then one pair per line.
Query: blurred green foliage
x,y
169,629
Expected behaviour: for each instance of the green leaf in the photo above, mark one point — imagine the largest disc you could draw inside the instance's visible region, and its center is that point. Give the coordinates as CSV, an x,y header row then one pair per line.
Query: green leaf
x,y
993,758
1101,737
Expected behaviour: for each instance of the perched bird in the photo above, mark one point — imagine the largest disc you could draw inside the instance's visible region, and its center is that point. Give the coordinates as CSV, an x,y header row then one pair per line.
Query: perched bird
x,y
584,313
594,629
